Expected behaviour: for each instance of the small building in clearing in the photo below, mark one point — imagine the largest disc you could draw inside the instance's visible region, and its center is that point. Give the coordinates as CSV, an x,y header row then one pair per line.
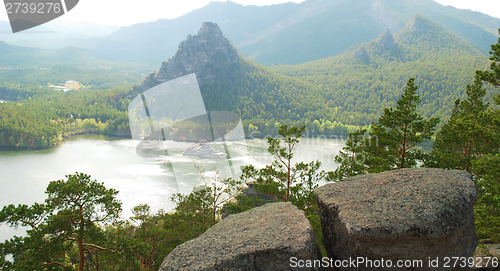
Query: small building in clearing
x,y
72,85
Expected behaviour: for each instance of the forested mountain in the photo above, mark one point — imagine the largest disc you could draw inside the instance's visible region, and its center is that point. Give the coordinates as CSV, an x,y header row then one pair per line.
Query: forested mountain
x,y
278,34
157,41
368,77
328,94
331,96
229,82
292,33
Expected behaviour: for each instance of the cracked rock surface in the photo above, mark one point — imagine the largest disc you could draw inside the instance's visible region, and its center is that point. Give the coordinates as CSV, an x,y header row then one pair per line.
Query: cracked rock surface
x,y
263,238
406,214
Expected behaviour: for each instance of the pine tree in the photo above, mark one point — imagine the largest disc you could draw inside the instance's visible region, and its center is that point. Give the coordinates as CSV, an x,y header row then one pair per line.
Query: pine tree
x,y
392,142
283,179
467,135
405,128
282,150
492,76
352,158
470,140
69,218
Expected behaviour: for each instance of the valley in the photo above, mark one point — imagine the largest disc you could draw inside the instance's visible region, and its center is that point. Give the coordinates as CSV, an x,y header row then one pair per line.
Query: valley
x,y
331,96
291,96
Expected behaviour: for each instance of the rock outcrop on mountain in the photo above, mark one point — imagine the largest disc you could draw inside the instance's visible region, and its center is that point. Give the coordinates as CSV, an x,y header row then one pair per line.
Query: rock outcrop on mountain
x,y
231,83
207,54
264,238
203,54
385,46
217,65
362,55
407,214
387,40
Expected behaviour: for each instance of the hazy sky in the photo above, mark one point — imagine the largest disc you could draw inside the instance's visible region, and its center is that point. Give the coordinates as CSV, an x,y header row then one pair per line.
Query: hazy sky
x,y
126,12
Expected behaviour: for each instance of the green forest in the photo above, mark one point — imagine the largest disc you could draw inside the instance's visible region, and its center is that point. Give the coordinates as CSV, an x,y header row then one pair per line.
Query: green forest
x,y
66,232
333,96
364,80
44,121
38,116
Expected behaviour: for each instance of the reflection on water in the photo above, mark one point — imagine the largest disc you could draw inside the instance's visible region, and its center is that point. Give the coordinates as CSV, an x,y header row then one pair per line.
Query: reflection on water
x,y
24,175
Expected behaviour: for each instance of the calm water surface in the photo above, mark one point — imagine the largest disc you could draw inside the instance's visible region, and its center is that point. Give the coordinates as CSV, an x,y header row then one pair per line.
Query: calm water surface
x,y
24,175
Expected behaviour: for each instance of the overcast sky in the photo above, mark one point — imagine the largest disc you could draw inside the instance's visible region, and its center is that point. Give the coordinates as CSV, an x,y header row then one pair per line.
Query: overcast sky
x,y
126,12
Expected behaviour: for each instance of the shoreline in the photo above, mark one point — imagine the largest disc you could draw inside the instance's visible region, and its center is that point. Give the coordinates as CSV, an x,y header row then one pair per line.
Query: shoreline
x,y
64,138
69,135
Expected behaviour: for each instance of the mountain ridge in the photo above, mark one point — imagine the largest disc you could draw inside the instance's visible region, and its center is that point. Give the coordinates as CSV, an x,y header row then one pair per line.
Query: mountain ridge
x,y
370,76
351,88
287,33
420,32
292,33
229,82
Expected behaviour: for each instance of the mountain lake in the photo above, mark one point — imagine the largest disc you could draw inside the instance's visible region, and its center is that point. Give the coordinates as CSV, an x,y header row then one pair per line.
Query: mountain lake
x,y
140,179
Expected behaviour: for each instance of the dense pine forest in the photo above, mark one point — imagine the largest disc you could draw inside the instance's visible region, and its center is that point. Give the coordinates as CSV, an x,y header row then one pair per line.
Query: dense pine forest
x,y
44,121
369,77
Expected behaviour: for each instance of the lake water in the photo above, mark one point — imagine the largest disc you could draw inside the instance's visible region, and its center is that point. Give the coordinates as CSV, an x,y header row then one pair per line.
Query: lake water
x,y
24,175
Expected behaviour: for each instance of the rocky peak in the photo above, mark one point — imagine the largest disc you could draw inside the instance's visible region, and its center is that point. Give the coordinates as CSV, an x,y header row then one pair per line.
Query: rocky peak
x,y
361,55
208,54
202,54
385,46
209,31
386,39
418,23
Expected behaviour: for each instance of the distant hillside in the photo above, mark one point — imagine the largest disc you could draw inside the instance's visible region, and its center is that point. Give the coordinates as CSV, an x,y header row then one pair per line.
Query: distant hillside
x,y
292,33
429,38
157,41
7,49
54,34
328,94
367,78
17,55
28,71
10,54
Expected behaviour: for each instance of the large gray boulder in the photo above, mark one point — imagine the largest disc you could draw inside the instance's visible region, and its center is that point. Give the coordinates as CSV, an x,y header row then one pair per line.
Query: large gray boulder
x,y
264,238
407,214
